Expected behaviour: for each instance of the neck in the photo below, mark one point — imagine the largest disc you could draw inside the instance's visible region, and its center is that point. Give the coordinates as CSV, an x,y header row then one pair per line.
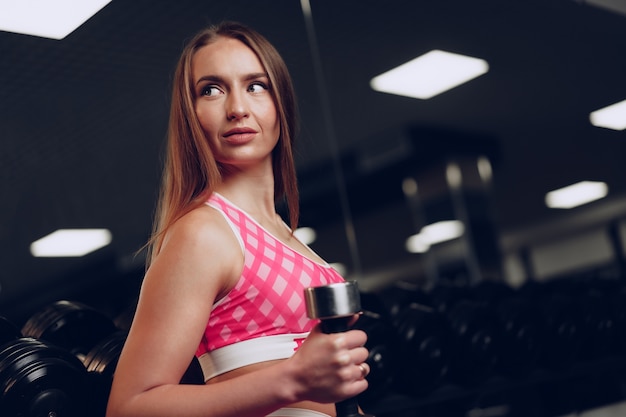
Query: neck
x,y
253,192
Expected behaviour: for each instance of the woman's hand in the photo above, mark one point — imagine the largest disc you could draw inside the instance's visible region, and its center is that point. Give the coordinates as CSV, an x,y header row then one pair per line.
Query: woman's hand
x,y
330,367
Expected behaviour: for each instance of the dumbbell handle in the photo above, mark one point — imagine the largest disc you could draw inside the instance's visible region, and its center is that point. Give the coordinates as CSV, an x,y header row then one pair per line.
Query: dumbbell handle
x,y
348,407
334,305
335,325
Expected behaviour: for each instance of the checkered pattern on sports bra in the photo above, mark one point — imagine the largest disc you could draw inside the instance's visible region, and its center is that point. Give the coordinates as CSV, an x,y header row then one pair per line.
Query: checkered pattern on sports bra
x,y
268,299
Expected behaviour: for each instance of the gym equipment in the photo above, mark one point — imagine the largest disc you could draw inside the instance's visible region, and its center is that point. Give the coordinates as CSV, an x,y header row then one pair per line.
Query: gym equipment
x,y
617,303
41,379
564,330
102,360
396,298
426,350
335,305
71,325
8,331
599,327
383,347
522,332
95,341
444,298
100,363
478,340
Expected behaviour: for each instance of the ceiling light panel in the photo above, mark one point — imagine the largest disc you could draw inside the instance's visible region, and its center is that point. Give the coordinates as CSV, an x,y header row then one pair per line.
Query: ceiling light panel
x,y
430,74
53,19
576,194
434,233
616,6
70,243
611,117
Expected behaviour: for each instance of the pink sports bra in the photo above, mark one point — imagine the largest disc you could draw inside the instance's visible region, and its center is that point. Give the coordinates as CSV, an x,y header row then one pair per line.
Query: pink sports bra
x,y
264,316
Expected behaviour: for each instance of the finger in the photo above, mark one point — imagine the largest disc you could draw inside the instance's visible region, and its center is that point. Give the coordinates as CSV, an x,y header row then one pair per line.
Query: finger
x,y
360,355
364,370
355,338
354,319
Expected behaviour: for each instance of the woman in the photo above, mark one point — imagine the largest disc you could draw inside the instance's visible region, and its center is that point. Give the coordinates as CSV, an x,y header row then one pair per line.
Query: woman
x,y
226,274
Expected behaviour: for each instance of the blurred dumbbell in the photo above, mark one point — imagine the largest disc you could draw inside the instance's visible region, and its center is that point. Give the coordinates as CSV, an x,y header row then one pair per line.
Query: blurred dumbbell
x,y
9,332
617,303
101,362
478,340
523,335
382,344
71,325
41,379
562,345
595,320
599,325
95,340
425,348
395,299
444,298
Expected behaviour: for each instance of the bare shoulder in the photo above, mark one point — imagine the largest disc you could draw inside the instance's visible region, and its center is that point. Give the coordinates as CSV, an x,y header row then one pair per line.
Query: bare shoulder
x,y
198,262
200,244
204,227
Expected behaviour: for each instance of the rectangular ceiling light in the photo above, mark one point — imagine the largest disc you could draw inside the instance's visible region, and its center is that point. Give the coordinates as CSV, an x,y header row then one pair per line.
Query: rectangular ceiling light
x,y
611,117
53,19
434,233
430,74
70,242
616,6
576,194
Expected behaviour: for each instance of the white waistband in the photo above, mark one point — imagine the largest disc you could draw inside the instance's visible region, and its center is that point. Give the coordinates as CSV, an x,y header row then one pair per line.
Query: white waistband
x,y
248,352
296,412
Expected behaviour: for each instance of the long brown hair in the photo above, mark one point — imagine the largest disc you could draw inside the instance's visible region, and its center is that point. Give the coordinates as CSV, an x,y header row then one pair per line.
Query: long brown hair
x,y
191,172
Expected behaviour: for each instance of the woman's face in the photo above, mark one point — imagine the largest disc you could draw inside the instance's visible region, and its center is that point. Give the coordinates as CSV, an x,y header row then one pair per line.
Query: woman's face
x,y
234,103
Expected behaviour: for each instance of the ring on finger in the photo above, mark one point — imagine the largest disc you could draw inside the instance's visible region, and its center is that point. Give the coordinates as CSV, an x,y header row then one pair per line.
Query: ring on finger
x,y
364,370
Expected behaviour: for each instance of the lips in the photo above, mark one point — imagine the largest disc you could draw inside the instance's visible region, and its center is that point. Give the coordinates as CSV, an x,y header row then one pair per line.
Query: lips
x,y
239,135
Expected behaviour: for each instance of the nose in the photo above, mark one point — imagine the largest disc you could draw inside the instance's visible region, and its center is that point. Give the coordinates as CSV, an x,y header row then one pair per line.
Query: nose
x,y
236,106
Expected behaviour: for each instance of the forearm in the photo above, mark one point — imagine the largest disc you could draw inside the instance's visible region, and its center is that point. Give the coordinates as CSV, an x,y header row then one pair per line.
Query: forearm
x,y
252,395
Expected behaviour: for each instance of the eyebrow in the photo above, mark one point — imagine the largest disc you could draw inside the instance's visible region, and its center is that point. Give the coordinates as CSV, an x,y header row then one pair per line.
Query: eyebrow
x,y
218,79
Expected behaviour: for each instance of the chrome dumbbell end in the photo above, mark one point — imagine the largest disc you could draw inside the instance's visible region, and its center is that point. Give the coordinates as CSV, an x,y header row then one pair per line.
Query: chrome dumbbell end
x,y
333,301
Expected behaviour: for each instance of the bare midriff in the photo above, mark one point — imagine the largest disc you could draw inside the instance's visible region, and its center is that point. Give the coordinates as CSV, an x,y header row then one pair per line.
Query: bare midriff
x,y
309,405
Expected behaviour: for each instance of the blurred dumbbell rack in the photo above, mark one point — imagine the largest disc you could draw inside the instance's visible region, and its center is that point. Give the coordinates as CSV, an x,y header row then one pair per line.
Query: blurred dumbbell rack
x,y
587,378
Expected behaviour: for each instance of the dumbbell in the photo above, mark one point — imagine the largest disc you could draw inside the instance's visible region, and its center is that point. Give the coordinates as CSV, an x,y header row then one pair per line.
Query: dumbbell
x,y
9,332
101,363
426,349
71,325
382,358
41,379
478,339
335,305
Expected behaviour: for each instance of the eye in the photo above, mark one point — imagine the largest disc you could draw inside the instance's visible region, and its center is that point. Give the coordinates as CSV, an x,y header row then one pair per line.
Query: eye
x,y
257,87
209,90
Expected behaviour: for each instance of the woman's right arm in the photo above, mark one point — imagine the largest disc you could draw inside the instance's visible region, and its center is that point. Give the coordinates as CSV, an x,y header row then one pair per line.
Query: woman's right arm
x,y
199,261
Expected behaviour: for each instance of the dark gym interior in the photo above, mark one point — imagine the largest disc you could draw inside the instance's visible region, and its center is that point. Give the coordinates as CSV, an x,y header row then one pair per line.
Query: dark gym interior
x,y
523,315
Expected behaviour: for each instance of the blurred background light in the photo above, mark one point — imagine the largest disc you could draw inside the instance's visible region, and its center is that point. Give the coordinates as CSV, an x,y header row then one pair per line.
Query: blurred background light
x,y
305,235
53,19
611,117
434,233
576,194
429,75
70,242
